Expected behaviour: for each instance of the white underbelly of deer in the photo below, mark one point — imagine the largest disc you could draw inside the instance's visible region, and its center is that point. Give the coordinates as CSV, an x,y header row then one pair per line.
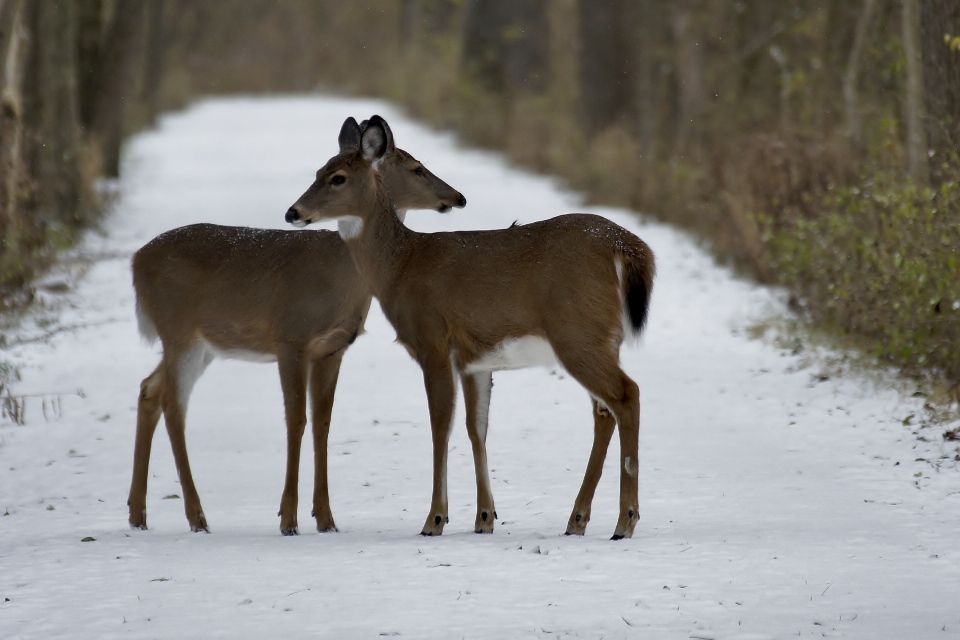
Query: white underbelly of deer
x,y
516,353
239,354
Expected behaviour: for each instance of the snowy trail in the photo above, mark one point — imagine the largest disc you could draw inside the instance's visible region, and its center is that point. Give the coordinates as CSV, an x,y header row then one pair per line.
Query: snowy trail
x,y
771,503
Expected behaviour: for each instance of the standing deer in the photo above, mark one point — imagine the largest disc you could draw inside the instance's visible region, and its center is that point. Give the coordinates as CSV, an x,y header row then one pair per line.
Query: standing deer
x,y
295,298
468,303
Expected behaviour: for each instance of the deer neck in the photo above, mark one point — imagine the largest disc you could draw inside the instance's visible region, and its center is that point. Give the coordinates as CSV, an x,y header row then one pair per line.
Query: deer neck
x,y
379,244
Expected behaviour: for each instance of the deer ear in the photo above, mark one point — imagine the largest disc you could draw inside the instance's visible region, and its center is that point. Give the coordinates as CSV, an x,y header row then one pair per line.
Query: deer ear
x,y
386,130
349,138
373,143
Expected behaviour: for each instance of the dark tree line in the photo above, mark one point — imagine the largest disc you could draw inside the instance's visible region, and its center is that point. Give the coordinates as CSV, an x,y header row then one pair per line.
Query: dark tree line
x,y
68,81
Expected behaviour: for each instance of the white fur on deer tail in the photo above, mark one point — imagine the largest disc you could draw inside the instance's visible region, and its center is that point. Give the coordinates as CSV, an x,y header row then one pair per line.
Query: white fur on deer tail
x,y
148,330
626,326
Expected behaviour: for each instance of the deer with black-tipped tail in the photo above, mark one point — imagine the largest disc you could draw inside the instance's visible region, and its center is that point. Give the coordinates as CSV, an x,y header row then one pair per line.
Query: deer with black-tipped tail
x,y
568,290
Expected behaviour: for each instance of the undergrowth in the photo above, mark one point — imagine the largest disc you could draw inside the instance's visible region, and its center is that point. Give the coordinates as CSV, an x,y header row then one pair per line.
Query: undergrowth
x,y
879,260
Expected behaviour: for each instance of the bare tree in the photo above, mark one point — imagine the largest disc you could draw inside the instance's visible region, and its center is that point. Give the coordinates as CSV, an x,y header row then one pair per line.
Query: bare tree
x,y
940,38
690,82
114,81
50,112
852,74
916,134
605,81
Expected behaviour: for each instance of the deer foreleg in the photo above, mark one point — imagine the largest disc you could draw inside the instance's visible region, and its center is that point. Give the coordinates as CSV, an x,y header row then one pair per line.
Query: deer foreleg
x,y
293,384
323,385
441,398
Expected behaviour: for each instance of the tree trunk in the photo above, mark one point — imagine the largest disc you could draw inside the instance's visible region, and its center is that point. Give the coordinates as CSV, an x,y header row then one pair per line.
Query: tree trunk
x,y
50,112
605,82
11,114
153,63
690,84
114,81
89,41
916,134
941,76
854,132
648,26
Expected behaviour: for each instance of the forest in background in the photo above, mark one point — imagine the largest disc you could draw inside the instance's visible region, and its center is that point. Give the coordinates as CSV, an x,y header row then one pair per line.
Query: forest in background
x,y
811,143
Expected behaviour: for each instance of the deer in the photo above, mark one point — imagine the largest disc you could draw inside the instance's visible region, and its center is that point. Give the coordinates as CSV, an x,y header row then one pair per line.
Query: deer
x,y
567,291
208,291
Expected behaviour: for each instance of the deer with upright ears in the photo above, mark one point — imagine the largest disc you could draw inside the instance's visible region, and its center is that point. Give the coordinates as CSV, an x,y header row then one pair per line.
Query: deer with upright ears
x,y
568,290
295,298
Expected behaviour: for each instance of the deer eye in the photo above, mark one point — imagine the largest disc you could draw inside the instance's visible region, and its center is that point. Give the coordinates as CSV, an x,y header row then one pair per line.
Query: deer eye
x,y
338,179
419,171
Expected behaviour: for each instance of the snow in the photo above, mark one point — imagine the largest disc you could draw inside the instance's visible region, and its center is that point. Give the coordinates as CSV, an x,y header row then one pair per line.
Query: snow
x,y
771,502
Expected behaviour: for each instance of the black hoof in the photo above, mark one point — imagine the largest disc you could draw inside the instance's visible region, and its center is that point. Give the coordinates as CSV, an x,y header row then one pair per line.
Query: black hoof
x,y
616,537
290,532
426,534
327,530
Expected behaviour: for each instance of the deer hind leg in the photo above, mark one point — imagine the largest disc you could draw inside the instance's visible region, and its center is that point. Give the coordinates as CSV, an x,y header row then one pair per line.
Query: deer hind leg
x,y
441,398
180,374
603,425
293,384
606,381
148,415
323,385
476,395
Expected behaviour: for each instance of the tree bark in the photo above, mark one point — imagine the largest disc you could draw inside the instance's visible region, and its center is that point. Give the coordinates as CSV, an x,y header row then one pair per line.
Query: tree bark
x,y
114,81
11,112
852,73
153,62
89,41
605,82
916,133
941,78
50,112
648,26
690,83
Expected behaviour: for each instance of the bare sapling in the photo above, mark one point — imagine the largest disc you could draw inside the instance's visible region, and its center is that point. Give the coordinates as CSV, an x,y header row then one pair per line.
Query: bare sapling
x,y
295,298
568,290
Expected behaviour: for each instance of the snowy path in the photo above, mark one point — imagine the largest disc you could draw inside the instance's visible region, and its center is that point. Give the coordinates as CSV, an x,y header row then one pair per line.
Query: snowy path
x,y
771,505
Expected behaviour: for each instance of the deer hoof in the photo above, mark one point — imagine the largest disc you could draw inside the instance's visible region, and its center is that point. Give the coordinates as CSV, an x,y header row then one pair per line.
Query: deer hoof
x,y
291,531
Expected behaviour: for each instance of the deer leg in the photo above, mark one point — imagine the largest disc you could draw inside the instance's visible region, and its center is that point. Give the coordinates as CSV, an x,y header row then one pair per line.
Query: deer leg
x,y
603,424
626,408
441,398
180,375
600,373
293,383
323,385
148,415
476,395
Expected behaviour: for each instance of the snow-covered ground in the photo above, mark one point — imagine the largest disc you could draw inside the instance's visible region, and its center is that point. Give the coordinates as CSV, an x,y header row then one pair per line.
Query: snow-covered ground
x,y
773,504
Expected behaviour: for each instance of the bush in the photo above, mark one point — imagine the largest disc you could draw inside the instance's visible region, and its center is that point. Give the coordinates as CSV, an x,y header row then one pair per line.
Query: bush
x,y
881,260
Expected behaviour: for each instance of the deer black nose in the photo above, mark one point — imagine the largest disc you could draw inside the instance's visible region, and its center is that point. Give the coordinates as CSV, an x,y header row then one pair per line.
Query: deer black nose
x,y
461,202
292,215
